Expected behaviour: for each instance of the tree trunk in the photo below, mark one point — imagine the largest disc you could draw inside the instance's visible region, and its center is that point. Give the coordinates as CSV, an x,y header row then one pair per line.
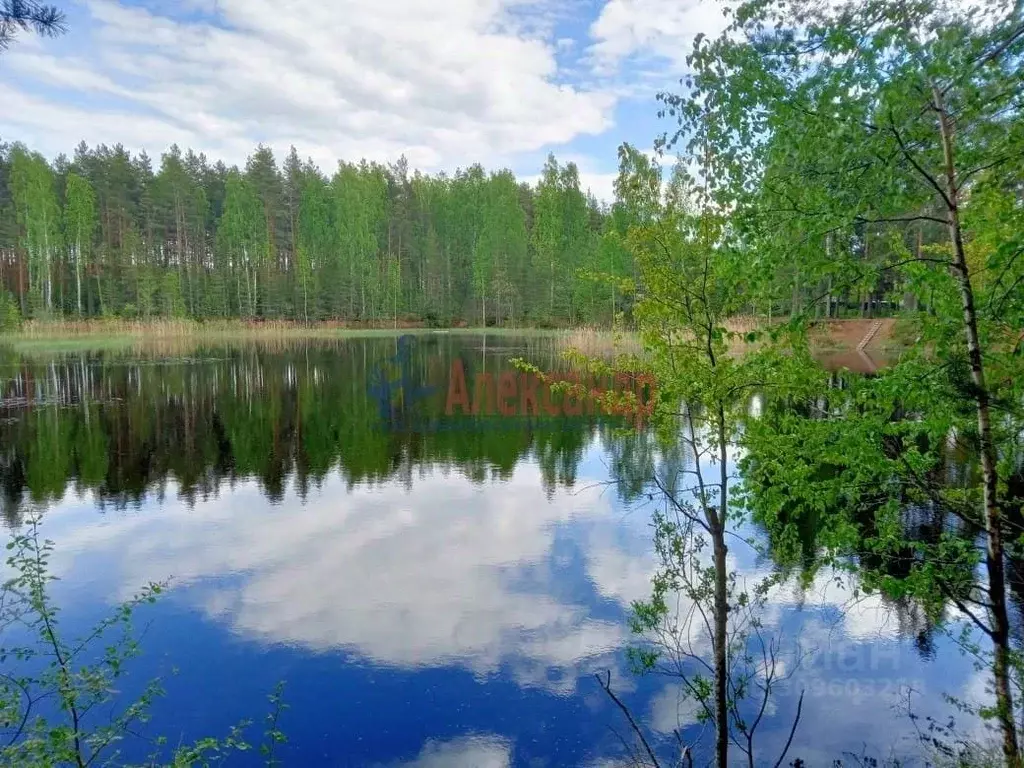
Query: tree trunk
x,y
552,288
78,273
721,552
448,282
351,286
795,303
23,282
994,560
248,288
828,295
48,290
99,291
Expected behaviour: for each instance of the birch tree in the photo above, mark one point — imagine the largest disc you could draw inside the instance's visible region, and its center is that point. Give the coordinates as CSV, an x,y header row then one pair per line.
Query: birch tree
x,y
35,202
79,227
895,115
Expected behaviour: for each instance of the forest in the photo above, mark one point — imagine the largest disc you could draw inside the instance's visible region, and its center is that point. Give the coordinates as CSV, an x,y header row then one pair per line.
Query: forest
x,y
103,234
106,234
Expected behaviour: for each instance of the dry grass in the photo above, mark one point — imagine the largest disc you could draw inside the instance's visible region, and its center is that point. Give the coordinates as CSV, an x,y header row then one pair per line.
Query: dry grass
x,y
73,329
600,342
606,343
172,337
178,336
747,323
183,337
835,337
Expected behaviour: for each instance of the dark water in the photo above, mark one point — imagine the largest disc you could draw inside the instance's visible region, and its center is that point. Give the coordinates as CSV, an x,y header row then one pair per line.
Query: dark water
x,y
431,595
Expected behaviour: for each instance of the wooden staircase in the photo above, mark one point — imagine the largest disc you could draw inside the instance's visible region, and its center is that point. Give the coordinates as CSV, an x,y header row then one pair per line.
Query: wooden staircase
x,y
872,331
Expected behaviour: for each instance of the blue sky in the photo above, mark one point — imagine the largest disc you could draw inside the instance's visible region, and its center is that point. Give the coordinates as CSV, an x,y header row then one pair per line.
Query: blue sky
x,y
444,82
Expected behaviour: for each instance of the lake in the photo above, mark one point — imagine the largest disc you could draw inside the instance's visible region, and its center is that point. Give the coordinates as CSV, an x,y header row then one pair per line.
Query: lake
x,y
432,595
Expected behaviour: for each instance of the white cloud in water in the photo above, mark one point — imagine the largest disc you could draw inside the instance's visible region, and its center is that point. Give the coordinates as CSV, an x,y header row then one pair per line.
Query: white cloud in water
x,y
467,752
458,575
411,580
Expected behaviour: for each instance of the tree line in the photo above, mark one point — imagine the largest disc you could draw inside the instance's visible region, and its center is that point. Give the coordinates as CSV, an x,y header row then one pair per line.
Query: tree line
x,y
105,234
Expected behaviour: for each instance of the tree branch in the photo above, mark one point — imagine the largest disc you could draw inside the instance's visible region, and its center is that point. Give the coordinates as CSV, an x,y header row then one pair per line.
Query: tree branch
x,y
606,684
792,731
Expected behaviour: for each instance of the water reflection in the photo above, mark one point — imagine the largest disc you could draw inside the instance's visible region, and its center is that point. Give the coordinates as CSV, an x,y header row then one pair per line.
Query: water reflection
x,y
123,427
433,598
474,751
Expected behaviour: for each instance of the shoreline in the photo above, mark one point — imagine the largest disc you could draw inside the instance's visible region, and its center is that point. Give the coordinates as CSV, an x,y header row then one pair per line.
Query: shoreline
x,y
112,334
837,337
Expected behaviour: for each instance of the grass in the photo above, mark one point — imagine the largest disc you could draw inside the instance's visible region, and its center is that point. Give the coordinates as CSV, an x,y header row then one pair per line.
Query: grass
x,y
608,343
179,336
600,342
74,329
70,329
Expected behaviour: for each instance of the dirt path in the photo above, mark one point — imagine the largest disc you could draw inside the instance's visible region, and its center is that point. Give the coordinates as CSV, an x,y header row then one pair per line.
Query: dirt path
x,y
848,334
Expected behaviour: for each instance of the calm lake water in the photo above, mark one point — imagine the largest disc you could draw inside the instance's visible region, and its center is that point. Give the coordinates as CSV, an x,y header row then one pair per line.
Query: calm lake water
x,y
432,596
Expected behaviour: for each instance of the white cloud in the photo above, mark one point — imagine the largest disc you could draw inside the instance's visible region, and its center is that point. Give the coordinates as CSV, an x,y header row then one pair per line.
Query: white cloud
x,y
435,578
445,83
409,580
618,575
862,617
466,752
653,30
671,710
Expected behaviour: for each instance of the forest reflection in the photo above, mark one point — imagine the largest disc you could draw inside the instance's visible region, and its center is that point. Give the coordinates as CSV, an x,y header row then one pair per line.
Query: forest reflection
x,y
836,525
297,423
123,424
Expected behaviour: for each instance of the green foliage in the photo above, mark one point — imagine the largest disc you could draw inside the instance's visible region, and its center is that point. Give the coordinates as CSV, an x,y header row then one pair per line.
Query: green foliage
x,y
79,228
107,236
38,215
877,148
702,623
10,316
273,735
45,20
313,397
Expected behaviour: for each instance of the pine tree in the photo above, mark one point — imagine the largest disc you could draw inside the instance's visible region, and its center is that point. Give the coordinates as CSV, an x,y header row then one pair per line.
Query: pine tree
x,y
29,15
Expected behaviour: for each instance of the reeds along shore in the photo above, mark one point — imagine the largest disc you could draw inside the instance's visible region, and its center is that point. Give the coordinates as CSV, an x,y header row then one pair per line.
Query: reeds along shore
x,y
608,343
590,341
41,329
600,342
180,336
